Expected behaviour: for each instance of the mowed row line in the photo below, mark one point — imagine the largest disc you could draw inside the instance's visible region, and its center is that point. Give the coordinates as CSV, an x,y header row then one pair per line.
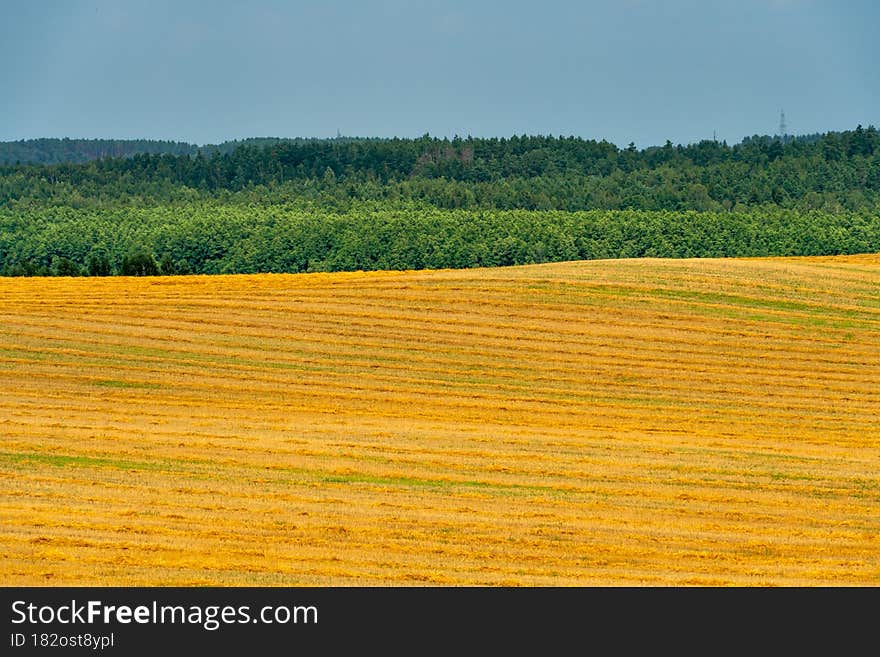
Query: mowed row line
x,y
606,422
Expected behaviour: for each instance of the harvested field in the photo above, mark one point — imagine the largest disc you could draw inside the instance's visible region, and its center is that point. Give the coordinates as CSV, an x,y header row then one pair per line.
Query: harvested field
x,y
628,422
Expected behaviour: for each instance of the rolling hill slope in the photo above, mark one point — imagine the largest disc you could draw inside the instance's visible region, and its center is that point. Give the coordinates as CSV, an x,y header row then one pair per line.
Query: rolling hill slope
x,y
629,422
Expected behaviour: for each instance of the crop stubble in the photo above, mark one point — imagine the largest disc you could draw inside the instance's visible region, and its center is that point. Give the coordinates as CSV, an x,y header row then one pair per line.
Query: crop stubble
x,y
634,422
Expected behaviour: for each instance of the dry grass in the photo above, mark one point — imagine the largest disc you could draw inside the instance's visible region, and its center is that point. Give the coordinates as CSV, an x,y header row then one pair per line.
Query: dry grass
x,y
639,422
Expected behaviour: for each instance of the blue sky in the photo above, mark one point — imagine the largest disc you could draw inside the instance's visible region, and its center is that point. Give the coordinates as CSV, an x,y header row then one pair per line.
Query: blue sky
x,y
625,70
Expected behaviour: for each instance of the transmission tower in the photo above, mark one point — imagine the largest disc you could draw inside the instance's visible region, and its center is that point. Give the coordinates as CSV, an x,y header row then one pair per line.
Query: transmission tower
x,y
783,129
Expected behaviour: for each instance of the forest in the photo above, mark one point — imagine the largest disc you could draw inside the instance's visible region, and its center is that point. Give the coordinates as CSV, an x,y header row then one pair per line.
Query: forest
x,y
99,207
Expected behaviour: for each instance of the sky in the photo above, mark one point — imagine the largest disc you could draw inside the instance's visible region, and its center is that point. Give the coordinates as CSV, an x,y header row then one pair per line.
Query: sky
x,y
642,71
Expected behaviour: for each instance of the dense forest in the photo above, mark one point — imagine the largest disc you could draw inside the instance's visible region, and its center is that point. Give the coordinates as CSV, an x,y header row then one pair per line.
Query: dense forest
x,y
348,203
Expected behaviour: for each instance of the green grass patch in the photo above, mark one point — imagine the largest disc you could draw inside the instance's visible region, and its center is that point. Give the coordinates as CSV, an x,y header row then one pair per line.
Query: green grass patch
x,y
442,484
67,460
24,354
110,383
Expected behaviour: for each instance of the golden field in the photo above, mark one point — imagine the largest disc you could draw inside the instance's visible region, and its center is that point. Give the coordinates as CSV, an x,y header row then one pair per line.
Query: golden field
x,y
632,422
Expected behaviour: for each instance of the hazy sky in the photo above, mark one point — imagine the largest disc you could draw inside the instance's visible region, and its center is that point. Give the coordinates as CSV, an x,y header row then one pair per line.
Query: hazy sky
x,y
205,71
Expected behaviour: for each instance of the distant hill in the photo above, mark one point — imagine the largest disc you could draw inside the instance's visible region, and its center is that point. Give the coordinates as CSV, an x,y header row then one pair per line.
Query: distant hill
x,y
76,151
58,151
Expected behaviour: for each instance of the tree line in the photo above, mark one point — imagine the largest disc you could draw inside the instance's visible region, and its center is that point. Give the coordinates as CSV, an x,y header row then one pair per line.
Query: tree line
x,y
343,204
224,238
834,172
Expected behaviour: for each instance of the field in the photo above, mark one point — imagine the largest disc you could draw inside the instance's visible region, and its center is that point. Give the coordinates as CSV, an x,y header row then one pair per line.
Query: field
x,y
627,422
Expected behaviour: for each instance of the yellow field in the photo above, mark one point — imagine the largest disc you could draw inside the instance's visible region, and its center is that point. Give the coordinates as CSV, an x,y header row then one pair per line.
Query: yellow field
x,y
636,422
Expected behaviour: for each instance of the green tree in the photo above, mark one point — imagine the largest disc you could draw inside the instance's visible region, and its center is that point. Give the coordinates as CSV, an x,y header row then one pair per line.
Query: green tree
x,y
62,266
139,263
98,264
